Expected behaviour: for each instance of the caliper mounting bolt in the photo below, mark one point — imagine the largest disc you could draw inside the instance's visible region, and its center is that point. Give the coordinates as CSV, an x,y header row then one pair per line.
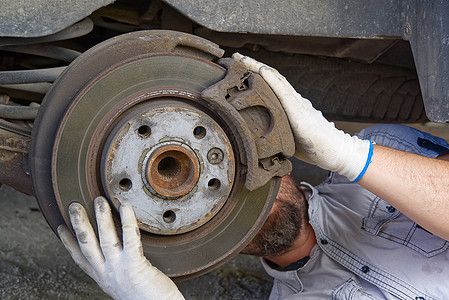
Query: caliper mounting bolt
x,y
215,156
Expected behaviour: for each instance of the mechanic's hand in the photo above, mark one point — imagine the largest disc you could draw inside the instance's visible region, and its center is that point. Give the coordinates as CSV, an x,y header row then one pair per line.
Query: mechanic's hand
x,y
317,140
121,271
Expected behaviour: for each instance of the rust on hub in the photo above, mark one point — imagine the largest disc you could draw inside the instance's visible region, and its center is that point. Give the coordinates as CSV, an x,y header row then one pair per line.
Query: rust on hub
x,y
172,171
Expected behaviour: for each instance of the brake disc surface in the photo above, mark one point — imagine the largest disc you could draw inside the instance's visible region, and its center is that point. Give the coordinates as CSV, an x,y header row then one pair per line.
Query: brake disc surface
x,y
133,127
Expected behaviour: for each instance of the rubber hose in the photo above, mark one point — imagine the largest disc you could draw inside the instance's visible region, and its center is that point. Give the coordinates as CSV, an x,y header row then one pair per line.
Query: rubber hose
x,y
18,112
30,76
44,50
15,128
39,87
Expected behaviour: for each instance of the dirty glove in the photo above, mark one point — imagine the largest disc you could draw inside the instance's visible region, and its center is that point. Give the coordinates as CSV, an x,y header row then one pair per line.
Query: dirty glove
x,y
121,271
317,140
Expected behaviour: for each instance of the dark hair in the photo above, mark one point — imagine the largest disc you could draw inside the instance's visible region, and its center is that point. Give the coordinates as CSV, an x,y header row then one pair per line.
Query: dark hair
x,y
284,223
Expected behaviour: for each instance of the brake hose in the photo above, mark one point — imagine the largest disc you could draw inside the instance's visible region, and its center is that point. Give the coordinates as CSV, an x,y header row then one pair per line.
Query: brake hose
x,y
18,112
15,128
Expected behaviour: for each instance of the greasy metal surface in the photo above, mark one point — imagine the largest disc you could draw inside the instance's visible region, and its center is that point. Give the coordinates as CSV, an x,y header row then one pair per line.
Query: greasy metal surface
x,y
253,108
156,159
14,151
34,18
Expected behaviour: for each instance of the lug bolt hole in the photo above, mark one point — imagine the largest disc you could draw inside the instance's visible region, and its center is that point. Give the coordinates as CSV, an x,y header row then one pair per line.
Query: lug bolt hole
x,y
125,184
169,216
214,184
199,132
144,131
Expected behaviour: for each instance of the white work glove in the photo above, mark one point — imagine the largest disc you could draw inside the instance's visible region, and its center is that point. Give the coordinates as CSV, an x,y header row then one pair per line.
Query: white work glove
x,y
123,272
317,140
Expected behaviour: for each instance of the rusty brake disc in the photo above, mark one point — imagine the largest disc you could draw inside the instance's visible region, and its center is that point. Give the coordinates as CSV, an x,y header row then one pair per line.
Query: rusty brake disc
x,y
126,120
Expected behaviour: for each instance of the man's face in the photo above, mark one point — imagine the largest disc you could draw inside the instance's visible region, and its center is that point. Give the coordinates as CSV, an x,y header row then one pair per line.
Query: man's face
x,y
284,223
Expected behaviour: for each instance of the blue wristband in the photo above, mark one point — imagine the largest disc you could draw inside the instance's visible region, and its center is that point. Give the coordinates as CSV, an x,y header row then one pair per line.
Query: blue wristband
x,y
368,161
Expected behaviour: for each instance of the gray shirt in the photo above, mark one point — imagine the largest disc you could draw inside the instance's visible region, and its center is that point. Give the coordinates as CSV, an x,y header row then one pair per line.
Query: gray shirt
x,y
366,249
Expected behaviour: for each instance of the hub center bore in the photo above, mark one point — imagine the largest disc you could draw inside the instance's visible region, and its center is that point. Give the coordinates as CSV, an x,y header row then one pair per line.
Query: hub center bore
x,y
172,171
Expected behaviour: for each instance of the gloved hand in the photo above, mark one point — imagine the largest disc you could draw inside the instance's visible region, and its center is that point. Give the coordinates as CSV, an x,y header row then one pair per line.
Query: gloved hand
x,y
123,272
317,140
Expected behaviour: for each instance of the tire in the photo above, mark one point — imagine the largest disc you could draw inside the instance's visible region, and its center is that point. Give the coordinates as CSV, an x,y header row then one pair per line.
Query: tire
x,y
351,91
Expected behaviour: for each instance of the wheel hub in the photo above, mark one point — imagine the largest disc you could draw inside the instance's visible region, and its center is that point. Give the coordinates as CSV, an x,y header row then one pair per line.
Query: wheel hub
x,y
169,171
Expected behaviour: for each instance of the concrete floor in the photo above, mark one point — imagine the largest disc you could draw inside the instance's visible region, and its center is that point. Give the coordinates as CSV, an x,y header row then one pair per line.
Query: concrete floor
x,y
35,265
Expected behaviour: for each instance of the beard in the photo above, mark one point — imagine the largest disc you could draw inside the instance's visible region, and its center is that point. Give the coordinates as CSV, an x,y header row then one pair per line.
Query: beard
x,y
284,223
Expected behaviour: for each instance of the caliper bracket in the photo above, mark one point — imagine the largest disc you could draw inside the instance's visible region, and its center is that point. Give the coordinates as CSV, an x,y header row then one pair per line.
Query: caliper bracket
x,y
258,119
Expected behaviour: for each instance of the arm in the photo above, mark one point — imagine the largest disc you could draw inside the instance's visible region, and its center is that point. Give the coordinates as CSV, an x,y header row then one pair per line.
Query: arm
x,y
121,270
415,185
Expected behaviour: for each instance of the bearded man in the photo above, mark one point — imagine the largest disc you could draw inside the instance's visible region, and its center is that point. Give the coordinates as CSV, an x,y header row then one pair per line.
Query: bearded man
x,y
376,228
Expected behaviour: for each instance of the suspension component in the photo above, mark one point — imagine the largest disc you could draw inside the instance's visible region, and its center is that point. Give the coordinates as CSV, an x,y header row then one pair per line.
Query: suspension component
x,y
20,91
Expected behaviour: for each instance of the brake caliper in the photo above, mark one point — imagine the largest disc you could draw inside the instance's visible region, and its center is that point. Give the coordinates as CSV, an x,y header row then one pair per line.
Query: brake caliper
x,y
257,115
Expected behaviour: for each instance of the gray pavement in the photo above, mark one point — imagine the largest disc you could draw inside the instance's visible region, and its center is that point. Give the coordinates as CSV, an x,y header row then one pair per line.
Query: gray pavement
x,y
35,265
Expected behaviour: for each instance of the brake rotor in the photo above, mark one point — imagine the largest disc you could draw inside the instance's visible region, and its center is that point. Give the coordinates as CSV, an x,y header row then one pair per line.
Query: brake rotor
x,y
127,121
